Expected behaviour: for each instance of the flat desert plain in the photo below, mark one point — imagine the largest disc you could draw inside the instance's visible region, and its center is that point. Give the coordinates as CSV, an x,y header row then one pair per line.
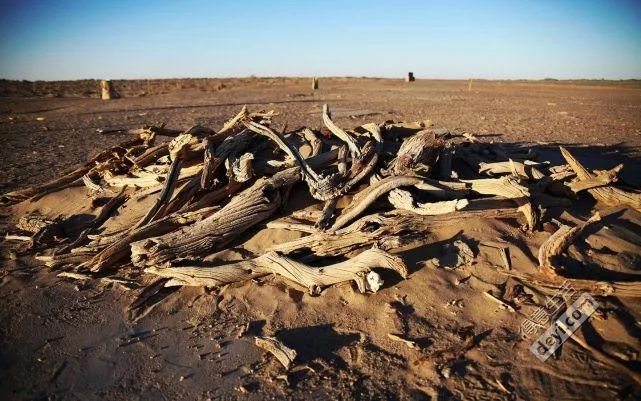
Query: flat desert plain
x,y
435,335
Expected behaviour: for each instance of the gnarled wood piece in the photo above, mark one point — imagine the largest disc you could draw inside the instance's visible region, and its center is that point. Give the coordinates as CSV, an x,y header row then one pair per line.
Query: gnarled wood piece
x,y
366,197
608,194
551,284
240,169
230,147
418,152
358,269
120,249
236,123
245,210
560,240
600,179
168,189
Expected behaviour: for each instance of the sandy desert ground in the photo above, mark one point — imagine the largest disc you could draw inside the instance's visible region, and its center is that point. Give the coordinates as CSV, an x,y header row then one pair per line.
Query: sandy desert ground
x,y
65,339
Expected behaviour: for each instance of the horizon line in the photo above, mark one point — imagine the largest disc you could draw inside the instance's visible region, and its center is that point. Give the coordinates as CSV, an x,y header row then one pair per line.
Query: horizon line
x,y
324,77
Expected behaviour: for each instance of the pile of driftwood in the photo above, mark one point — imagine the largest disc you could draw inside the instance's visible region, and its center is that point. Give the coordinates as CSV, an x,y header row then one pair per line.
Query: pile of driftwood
x,y
399,181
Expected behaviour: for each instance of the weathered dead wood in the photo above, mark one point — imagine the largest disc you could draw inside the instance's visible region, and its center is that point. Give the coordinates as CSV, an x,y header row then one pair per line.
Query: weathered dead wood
x,y
418,154
510,188
366,197
240,169
281,352
551,284
600,179
314,142
315,279
180,198
560,240
170,185
57,261
404,200
523,170
148,130
388,231
607,194
151,155
443,189
232,146
69,177
120,249
245,210
322,188
236,124
340,134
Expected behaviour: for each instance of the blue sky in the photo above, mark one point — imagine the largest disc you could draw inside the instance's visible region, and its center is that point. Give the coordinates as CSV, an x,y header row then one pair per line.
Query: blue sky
x,y
74,39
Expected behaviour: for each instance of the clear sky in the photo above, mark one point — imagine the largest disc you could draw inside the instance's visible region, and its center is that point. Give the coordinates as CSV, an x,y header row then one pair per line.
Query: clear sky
x,y
74,39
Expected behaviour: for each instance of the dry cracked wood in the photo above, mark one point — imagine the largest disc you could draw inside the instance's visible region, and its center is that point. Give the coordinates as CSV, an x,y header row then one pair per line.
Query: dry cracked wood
x,y
232,146
245,210
509,188
315,279
607,194
418,152
600,179
388,231
560,240
120,249
168,189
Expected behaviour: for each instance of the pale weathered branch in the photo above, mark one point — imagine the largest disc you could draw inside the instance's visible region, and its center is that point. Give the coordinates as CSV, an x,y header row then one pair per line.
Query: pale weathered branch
x,y
357,269
560,240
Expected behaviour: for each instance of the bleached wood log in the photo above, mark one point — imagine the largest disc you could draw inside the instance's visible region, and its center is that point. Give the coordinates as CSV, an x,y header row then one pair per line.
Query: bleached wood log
x,y
315,143
315,279
151,155
558,242
168,189
236,123
240,169
245,210
232,146
402,199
